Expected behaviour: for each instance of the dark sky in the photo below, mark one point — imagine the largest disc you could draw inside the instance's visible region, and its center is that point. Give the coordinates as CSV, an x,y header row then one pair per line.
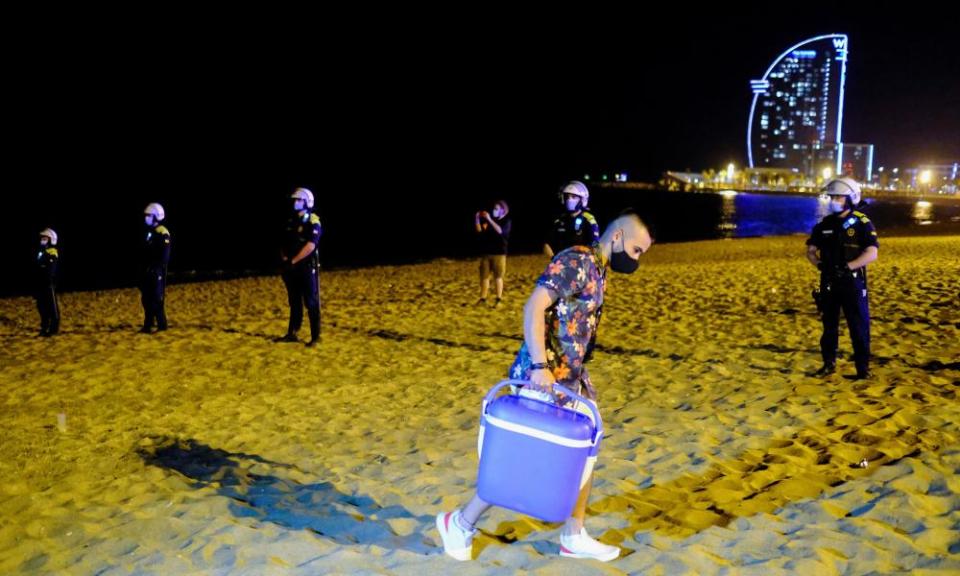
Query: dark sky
x,y
183,101
220,115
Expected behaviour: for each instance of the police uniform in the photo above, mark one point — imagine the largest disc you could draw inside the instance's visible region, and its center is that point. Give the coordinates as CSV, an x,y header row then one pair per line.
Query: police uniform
x,y
839,240
153,283
580,229
45,290
302,279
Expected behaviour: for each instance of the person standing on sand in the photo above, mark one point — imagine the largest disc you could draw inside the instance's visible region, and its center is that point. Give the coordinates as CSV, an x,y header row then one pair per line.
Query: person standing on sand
x,y
560,320
840,246
45,287
576,226
301,266
494,231
156,258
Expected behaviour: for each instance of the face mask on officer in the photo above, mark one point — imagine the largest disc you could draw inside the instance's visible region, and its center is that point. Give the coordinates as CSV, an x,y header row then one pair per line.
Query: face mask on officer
x,y
44,241
148,219
838,204
571,202
621,261
298,205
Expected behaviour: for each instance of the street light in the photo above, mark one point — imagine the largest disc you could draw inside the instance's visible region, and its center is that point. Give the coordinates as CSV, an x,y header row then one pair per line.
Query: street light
x,y
827,173
925,177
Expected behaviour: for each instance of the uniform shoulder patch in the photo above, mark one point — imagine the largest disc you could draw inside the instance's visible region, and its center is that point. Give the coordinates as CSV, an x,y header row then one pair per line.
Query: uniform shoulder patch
x,y
863,217
163,230
590,217
52,252
314,219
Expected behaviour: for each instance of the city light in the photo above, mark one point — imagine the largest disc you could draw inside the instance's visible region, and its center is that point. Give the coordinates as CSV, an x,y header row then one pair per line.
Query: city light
x,y
827,173
925,177
730,171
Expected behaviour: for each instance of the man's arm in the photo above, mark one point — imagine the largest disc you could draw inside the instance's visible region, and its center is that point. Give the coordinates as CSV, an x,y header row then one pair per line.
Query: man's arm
x,y
493,223
812,255
307,250
311,244
534,329
866,257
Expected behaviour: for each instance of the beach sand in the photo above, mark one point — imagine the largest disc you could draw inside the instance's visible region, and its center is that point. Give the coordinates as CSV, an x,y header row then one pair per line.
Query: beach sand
x,y
211,449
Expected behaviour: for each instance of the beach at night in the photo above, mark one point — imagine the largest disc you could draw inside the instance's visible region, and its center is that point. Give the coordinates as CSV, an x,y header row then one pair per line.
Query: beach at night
x,y
206,449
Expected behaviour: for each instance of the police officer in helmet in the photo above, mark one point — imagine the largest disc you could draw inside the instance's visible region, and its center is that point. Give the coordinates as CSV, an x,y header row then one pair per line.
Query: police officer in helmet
x,y
153,279
301,265
45,288
841,246
576,226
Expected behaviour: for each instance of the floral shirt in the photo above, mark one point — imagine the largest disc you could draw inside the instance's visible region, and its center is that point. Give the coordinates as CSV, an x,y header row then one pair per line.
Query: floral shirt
x,y
577,277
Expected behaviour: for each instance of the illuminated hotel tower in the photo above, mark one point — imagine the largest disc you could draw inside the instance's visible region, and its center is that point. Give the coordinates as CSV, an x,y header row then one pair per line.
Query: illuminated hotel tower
x,y
797,105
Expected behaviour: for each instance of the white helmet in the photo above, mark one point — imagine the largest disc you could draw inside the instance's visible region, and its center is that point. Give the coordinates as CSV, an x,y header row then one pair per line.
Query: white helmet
x,y
845,186
577,188
155,209
50,234
305,195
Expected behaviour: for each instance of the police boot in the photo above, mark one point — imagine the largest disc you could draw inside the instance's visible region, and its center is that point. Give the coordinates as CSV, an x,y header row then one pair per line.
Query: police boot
x,y
826,370
314,327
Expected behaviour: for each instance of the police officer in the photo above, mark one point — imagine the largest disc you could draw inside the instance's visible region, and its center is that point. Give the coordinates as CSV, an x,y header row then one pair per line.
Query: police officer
x,y
156,257
45,287
301,264
576,226
841,245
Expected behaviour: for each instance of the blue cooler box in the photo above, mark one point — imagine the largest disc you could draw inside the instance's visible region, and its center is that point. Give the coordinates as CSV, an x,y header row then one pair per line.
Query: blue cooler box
x,y
533,453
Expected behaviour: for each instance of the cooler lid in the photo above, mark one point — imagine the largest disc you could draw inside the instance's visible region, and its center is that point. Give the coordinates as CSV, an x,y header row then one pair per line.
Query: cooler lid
x,y
528,416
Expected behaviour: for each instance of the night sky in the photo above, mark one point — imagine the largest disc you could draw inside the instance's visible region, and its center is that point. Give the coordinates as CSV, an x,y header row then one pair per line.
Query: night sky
x,y
221,115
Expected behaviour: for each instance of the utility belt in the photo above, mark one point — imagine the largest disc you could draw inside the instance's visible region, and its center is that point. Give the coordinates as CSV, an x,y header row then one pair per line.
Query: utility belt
x,y
840,272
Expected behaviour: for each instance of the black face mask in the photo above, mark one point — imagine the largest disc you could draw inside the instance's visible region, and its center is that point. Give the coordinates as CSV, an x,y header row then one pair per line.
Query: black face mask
x,y
622,262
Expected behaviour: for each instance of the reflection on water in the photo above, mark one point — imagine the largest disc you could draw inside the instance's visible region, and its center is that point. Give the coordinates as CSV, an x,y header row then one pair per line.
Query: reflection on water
x,y
728,214
922,213
740,215
745,214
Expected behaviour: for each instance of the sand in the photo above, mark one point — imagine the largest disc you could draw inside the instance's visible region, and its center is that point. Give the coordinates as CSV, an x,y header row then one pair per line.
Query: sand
x,y
211,449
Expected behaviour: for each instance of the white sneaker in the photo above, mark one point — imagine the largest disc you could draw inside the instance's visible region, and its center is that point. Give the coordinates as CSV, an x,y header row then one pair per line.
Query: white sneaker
x,y
457,542
583,546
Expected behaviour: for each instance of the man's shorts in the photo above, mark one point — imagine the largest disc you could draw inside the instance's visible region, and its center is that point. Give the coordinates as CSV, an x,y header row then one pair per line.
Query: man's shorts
x,y
495,264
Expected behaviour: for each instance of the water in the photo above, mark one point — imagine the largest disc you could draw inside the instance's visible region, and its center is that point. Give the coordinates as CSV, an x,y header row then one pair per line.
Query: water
x,y
746,215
